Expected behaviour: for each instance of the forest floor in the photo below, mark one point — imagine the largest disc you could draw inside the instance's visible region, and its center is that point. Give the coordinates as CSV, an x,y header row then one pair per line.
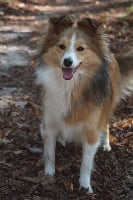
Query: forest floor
x,y
21,166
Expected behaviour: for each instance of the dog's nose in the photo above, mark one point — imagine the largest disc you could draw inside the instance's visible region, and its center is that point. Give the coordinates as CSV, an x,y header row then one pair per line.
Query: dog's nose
x,y
68,62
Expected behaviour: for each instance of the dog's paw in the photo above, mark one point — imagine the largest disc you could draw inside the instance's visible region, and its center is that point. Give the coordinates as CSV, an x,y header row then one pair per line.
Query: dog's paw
x,y
61,141
49,170
107,147
84,183
87,189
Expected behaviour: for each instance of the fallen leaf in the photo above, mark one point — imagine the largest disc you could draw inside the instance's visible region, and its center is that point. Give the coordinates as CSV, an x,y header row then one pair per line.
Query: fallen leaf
x,y
113,139
32,179
34,107
18,152
1,133
40,163
93,183
5,141
46,179
63,167
68,186
34,149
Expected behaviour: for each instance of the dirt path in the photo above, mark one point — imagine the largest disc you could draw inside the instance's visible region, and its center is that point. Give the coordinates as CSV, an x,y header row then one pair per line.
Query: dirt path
x,y
21,167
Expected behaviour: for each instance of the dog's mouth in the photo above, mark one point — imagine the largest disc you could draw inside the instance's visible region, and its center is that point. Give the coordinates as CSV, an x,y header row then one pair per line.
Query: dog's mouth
x,y
68,72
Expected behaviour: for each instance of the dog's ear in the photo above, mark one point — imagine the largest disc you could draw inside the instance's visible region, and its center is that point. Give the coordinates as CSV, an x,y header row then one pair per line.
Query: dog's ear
x,y
90,26
58,24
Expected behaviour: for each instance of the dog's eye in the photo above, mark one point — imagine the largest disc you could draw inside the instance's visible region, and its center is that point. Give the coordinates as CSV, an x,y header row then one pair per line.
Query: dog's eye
x,y
62,46
80,49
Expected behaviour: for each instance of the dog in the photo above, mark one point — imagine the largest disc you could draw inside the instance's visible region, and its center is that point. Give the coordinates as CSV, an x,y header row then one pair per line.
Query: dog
x,y
82,83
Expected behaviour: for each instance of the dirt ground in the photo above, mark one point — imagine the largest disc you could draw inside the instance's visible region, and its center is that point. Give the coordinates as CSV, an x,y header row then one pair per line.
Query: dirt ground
x,y
21,166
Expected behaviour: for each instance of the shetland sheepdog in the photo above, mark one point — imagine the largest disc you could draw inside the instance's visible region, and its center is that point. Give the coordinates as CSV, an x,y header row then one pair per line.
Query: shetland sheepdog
x,y
82,83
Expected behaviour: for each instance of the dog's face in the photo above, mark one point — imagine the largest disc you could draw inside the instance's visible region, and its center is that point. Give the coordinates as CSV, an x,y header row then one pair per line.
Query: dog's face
x,y
70,61
72,49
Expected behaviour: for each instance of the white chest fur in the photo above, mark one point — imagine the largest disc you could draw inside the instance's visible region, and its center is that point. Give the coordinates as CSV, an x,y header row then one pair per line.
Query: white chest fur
x,y
57,92
57,103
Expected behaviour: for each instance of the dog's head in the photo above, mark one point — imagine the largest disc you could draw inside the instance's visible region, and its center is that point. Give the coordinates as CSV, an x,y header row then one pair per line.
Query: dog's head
x,y
73,45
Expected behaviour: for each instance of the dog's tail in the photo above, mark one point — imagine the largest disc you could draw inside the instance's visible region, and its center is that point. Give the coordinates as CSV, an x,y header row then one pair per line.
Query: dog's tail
x,y
126,68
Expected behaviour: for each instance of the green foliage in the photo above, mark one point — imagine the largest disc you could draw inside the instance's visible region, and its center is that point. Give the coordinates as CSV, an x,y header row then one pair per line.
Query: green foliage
x,y
129,13
130,9
6,1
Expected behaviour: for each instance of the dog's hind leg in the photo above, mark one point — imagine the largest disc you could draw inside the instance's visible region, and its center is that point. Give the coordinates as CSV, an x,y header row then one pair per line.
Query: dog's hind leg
x,y
61,140
106,143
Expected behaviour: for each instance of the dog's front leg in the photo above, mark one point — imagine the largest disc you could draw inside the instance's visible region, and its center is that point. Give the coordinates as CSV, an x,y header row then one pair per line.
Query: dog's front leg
x,y
89,151
49,142
49,155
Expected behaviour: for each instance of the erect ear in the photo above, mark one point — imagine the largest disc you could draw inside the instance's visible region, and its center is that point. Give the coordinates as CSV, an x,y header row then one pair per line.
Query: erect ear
x,y
58,24
90,26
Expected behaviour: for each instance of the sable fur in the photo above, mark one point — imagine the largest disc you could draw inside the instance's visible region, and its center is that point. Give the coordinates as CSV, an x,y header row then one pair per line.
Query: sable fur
x,y
80,108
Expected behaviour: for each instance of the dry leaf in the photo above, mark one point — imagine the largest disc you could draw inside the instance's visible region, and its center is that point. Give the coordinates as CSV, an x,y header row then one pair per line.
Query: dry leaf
x,y
40,163
4,141
34,107
1,133
17,152
68,186
113,139
93,183
34,149
32,179
63,167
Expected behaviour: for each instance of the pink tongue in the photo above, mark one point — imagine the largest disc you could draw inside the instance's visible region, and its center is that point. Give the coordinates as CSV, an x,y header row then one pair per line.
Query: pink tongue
x,y
68,73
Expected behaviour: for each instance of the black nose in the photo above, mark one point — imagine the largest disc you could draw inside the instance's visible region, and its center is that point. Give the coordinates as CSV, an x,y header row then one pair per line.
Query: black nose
x,y
68,62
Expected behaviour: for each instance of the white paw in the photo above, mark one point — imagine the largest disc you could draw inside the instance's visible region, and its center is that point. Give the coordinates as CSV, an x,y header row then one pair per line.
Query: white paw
x,y
106,147
61,141
49,170
85,183
90,190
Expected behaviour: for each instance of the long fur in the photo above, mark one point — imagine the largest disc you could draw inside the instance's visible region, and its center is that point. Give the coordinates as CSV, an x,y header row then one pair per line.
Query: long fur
x,y
79,109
